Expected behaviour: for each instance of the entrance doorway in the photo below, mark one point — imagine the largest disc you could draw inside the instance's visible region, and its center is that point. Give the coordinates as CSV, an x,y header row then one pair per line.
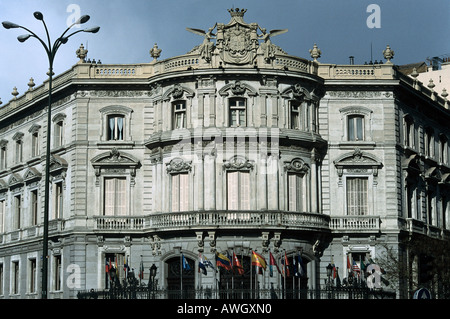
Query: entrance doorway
x,y
180,282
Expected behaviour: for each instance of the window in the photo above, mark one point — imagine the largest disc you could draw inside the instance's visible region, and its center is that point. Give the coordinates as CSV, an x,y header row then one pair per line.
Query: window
x,y
429,141
115,197
2,215
237,112
409,132
58,200
19,151
355,128
17,211
35,144
1,279
430,202
34,206
180,192
32,276
115,270
295,115
357,196
3,157
443,149
296,192
115,128
238,190
15,277
179,115
57,273
58,134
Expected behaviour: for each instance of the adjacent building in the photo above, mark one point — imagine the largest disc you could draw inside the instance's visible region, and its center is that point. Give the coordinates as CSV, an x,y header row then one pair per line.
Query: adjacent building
x,y
236,147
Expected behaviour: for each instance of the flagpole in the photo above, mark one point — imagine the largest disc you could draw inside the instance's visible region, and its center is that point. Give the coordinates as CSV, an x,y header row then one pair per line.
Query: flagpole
x,y
251,271
181,274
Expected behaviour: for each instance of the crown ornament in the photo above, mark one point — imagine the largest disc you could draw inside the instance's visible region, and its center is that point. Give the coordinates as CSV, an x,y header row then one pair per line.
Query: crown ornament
x,y
237,12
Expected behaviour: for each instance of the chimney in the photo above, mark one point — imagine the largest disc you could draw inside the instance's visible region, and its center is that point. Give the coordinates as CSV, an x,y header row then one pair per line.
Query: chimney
x,y
352,60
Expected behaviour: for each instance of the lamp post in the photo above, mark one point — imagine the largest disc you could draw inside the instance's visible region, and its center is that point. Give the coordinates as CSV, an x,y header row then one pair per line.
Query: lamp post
x,y
329,285
153,269
51,52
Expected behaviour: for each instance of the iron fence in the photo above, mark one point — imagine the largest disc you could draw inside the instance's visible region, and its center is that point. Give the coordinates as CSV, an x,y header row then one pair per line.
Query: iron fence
x,y
146,293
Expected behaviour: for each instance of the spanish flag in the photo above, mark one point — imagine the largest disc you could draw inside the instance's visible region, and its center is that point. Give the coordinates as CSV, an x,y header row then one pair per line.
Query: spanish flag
x,y
237,264
258,260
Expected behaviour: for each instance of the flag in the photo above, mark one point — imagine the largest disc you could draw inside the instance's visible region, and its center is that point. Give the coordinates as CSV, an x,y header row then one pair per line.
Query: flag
x,y
285,264
207,263
272,262
237,264
258,260
125,265
201,265
355,267
185,263
107,266
141,270
223,261
298,269
349,266
334,271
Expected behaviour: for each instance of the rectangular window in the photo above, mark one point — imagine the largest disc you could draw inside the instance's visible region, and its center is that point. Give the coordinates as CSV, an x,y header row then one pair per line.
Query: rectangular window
x,y
295,115
3,157
15,278
179,115
35,144
180,192
296,192
17,211
57,273
357,196
58,134
115,128
32,276
443,150
429,143
115,270
34,206
115,197
1,279
238,190
356,128
58,194
19,151
237,112
2,215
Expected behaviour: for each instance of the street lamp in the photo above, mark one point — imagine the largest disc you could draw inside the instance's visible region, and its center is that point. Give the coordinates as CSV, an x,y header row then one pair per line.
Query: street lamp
x,y
51,52
153,269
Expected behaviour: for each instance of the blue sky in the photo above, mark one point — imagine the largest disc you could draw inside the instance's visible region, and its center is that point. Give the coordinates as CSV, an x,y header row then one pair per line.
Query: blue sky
x,y
415,30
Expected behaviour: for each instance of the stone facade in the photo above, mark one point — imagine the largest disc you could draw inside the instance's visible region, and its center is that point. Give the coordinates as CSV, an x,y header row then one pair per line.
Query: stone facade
x,y
234,147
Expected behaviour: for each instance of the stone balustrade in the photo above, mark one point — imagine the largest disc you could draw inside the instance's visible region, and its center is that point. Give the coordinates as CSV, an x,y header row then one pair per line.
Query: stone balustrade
x,y
215,219
355,223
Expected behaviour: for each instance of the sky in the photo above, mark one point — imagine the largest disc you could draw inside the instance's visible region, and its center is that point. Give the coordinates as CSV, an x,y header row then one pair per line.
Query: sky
x,y
414,29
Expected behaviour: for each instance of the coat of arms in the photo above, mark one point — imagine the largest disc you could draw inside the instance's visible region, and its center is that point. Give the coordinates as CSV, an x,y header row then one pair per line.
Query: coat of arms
x,y
236,42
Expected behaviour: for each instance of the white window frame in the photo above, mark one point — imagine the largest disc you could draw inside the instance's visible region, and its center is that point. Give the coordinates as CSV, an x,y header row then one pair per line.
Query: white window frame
x,y
357,205
233,105
114,193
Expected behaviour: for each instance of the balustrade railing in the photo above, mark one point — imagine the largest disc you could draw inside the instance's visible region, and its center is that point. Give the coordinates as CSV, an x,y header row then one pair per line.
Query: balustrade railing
x,y
355,223
227,219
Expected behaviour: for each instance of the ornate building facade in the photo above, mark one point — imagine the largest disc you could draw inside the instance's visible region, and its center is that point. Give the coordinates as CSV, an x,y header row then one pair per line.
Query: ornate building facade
x,y
235,147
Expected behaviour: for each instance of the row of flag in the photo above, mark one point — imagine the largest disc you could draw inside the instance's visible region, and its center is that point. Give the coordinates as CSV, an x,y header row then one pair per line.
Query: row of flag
x,y
112,266
232,263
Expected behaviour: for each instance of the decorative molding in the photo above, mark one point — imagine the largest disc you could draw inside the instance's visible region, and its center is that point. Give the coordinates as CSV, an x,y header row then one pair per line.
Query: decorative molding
x,y
178,165
297,165
177,92
357,159
238,88
238,162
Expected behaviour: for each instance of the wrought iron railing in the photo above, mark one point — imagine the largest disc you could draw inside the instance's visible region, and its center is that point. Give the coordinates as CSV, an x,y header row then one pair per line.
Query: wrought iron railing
x,y
266,294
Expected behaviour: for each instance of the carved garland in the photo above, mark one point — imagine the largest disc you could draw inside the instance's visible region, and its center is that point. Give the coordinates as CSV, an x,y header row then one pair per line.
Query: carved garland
x,y
238,162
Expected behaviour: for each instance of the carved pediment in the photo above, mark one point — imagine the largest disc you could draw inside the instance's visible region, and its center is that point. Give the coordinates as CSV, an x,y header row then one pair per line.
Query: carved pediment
x,y
15,180
57,163
178,165
238,162
297,165
357,159
237,88
31,174
178,92
115,158
3,184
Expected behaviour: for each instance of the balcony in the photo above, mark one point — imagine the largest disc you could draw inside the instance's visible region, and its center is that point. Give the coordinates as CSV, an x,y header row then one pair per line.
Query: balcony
x,y
214,220
355,224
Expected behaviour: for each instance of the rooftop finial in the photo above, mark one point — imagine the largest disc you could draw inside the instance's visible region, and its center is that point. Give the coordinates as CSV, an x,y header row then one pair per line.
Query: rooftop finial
x,y
236,12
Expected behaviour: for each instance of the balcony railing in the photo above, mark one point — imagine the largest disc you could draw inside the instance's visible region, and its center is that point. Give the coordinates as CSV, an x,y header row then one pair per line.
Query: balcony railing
x,y
355,223
214,219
